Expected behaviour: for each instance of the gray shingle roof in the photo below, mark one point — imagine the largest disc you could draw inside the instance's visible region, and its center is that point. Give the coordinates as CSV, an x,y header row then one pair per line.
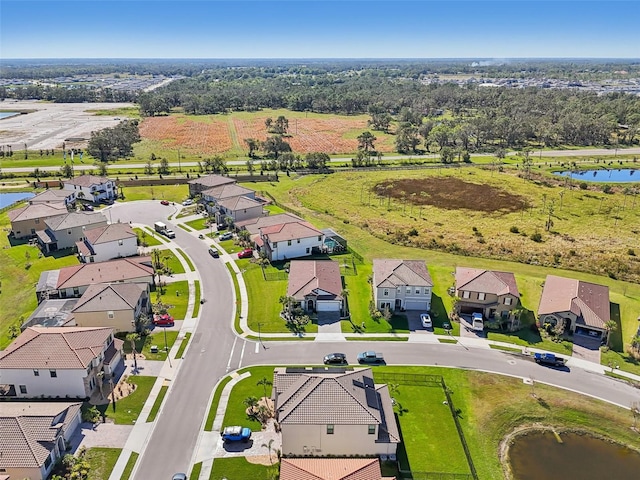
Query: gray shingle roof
x,y
87,180
391,273
100,297
486,281
75,219
109,233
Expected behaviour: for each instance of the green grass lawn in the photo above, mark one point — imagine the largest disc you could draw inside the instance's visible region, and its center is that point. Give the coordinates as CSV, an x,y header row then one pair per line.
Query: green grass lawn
x,y
172,193
187,259
183,345
236,289
156,236
177,295
239,469
128,469
147,238
235,413
211,416
199,223
195,472
170,259
196,306
127,409
143,345
102,461
158,403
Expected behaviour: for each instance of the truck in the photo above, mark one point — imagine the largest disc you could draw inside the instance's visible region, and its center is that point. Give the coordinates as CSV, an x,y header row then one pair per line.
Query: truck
x,y
164,230
477,322
370,357
548,359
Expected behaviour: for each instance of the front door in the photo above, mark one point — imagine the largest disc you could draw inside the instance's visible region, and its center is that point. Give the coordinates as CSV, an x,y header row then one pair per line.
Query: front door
x,y
310,305
398,304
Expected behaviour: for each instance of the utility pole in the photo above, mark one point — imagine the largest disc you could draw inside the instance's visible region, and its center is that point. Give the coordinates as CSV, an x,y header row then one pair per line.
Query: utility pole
x,y
260,337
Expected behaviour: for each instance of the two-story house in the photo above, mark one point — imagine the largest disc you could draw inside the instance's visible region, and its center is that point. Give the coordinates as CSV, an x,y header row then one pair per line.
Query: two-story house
x,y
231,200
63,231
116,305
289,240
492,293
53,196
28,220
91,188
198,185
107,242
401,284
334,412
60,362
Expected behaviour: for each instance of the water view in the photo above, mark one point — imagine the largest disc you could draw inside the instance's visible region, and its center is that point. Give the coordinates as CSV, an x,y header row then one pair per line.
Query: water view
x,y
8,114
7,199
613,176
539,456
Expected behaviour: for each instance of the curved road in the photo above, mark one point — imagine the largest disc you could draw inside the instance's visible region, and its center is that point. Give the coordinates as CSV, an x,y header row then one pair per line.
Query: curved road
x,y
215,350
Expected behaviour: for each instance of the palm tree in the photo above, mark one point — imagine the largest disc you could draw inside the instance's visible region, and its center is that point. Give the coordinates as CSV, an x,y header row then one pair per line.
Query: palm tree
x,y
251,403
635,343
345,295
133,338
268,446
264,381
610,326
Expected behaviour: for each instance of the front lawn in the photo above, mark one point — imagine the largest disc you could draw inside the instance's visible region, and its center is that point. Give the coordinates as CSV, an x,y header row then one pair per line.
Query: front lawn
x,y
199,223
237,468
102,461
248,387
144,343
127,409
175,294
171,261
146,239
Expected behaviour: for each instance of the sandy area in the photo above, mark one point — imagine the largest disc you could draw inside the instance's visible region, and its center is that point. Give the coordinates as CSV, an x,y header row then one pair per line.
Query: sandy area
x,y
48,125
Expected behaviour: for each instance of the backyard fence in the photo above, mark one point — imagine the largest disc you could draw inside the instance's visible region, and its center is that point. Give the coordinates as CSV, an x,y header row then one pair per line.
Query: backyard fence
x,y
274,276
406,475
417,379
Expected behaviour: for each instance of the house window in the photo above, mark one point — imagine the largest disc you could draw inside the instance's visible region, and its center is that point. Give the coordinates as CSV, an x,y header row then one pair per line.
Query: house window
x,y
36,222
408,290
68,232
329,429
481,296
298,240
110,314
417,291
36,373
76,291
275,244
47,462
53,373
319,238
23,389
385,292
91,260
120,242
289,243
507,300
426,291
466,295
372,429
307,250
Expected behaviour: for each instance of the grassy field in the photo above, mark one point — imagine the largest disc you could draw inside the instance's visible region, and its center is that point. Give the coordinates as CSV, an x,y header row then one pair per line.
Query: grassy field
x,y
199,224
127,409
143,345
102,461
172,193
170,259
186,259
211,416
196,306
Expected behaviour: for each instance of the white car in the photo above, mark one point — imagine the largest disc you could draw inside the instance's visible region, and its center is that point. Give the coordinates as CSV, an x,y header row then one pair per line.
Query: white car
x,y
187,202
425,319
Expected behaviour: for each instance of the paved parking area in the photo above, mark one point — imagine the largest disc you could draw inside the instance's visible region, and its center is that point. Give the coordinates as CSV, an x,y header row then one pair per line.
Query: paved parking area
x,y
107,435
586,348
253,448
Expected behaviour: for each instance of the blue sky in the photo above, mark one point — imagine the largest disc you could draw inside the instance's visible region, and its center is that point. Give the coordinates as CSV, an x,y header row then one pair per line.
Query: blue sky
x,y
318,29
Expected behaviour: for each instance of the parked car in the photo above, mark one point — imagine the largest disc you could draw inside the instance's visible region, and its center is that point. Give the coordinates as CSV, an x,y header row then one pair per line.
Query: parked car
x,y
214,252
164,202
226,236
370,357
246,253
187,202
335,358
87,208
236,434
548,359
425,319
477,322
163,320
179,476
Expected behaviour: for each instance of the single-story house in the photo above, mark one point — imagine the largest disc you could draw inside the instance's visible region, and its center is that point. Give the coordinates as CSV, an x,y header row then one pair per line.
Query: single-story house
x,y
63,231
54,312
331,469
59,362
401,284
91,187
27,221
34,437
493,293
285,241
115,305
197,185
74,280
583,307
317,285
334,412
107,242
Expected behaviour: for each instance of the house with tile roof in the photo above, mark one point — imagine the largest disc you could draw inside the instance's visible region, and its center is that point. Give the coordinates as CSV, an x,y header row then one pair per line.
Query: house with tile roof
x,y
495,294
233,201
334,412
331,469
53,196
59,362
583,307
285,241
34,435
115,305
401,284
63,231
107,242
198,185
27,221
317,285
253,225
91,187
74,280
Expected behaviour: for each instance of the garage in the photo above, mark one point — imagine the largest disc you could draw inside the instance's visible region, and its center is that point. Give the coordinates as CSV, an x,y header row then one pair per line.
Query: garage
x,y
416,305
328,306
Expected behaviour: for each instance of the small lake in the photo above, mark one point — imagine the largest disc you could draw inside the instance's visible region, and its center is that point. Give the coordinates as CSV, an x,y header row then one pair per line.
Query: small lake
x,y
614,176
8,114
7,199
539,456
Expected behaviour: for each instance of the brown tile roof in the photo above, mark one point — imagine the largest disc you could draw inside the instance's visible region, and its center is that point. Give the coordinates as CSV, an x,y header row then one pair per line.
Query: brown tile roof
x,y
55,347
109,233
118,270
228,190
87,180
330,469
588,301
313,277
101,297
289,231
392,273
486,281
29,431
211,180
37,210
254,224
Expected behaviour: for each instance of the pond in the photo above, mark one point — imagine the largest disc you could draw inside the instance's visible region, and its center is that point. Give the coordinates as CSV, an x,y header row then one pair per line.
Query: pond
x,y
622,175
8,114
7,199
539,456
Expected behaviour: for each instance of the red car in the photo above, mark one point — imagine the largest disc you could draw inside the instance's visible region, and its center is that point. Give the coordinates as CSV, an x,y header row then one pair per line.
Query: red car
x,y
164,320
164,202
246,253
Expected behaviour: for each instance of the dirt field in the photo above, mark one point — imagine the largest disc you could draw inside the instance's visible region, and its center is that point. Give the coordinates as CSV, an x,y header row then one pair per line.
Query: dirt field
x,y
48,125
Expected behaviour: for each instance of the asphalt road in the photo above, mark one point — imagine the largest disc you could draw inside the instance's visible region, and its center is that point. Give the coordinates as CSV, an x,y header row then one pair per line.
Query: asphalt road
x,y
215,350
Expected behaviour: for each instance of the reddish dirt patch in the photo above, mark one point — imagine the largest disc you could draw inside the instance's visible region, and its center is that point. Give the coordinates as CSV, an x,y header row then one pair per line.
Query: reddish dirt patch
x,y
450,193
199,137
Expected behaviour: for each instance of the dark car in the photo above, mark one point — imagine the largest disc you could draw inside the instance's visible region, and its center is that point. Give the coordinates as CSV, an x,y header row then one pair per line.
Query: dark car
x,y
87,208
164,202
246,253
179,476
370,357
335,358
214,253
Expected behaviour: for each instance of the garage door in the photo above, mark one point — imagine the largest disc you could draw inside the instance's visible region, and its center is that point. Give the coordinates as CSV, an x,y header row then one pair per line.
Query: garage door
x,y
328,306
416,305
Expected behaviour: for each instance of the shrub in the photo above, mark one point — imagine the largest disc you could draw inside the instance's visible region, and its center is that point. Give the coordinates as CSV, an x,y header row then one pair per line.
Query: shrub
x,y
583,185
536,237
413,232
606,188
631,252
514,229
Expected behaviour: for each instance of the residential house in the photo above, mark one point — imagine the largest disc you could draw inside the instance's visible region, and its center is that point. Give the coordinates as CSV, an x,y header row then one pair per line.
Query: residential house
x,y
197,185
59,362
27,221
107,242
401,284
34,437
253,225
494,294
53,196
73,281
331,469
231,200
91,188
54,312
317,285
289,240
334,412
582,307
116,305
63,231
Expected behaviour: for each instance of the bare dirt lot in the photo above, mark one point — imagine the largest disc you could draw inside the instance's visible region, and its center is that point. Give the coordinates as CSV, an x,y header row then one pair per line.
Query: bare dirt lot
x,y
48,125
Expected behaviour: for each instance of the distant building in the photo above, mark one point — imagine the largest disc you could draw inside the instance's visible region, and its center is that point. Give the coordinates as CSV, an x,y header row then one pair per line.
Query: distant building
x,y
197,185
27,221
492,293
286,241
91,188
